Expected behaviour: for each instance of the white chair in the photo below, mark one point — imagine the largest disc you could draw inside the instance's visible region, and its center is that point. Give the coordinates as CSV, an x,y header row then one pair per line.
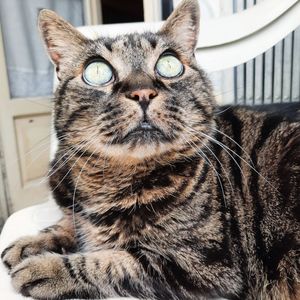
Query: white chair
x,y
224,42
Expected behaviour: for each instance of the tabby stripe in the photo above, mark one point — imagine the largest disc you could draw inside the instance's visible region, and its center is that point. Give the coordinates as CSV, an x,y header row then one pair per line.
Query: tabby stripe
x,y
236,129
268,126
69,267
74,115
83,273
152,41
162,289
108,273
86,153
148,211
278,250
63,194
80,276
160,85
57,246
179,278
26,288
112,238
201,108
201,179
150,181
62,90
6,250
108,45
223,208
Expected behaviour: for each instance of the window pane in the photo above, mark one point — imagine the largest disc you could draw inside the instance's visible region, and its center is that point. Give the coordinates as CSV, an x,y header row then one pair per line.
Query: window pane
x,y
116,11
30,72
167,8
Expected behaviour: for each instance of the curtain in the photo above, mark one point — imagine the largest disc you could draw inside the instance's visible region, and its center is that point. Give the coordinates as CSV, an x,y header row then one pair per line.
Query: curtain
x,y
30,72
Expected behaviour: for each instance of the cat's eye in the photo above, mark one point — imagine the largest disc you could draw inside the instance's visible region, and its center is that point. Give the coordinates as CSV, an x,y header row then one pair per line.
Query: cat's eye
x,y
169,66
97,73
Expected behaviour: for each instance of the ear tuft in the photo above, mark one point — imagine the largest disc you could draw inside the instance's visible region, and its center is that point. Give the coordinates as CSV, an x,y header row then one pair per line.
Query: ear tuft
x,y
182,26
60,37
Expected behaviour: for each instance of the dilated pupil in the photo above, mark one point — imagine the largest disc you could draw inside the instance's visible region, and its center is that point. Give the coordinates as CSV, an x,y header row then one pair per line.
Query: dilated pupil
x,y
97,73
169,66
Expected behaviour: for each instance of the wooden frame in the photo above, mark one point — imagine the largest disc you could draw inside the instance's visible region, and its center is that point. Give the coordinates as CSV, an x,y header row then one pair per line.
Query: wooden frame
x,y
92,12
16,192
152,10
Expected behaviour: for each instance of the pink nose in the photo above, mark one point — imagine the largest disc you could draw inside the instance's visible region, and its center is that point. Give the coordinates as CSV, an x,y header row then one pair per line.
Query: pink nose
x,y
144,94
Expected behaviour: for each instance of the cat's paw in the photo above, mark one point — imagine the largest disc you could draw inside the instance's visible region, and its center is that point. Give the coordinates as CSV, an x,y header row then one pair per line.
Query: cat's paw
x,y
43,277
25,247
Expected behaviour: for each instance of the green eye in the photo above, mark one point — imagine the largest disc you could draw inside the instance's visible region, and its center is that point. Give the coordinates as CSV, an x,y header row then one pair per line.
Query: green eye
x,y
169,66
97,73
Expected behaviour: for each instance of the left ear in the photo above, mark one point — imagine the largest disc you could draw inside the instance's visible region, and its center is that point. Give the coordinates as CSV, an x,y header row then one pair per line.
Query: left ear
x,y
182,26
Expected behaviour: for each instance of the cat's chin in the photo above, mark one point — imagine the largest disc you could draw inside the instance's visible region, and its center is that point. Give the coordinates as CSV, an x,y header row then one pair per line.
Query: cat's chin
x,y
132,155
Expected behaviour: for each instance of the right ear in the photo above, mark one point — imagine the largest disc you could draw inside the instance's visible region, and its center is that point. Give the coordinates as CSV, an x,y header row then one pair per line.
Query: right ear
x,y
62,40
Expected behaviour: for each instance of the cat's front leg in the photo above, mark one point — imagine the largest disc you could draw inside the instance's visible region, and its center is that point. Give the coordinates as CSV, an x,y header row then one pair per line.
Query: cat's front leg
x,y
90,275
57,238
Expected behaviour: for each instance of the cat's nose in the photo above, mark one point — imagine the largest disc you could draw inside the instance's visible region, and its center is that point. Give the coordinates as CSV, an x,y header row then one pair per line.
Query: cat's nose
x,y
142,95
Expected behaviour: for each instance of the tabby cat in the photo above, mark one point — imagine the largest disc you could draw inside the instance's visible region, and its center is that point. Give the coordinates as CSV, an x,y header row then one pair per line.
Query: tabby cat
x,y
165,195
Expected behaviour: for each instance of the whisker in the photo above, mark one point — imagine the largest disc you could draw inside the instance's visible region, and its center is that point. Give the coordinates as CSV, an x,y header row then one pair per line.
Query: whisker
x,y
203,155
68,171
211,151
237,164
74,193
231,139
249,165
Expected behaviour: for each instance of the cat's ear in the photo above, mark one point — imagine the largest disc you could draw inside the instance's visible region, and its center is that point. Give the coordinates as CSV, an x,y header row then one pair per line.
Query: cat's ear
x,y
62,40
182,26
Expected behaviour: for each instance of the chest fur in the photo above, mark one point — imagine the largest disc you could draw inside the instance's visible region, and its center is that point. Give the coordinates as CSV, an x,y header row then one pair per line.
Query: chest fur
x,y
117,206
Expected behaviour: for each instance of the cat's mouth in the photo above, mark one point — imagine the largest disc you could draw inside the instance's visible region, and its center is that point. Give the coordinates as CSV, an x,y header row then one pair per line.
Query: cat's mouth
x,y
145,132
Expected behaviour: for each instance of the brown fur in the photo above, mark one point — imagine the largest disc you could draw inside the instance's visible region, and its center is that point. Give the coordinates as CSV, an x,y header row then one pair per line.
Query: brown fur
x,y
204,206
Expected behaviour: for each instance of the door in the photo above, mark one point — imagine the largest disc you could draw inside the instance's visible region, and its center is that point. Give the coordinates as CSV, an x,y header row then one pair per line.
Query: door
x,y
26,77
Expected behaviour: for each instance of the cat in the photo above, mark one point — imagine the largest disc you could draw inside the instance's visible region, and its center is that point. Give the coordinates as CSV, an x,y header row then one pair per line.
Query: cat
x,y
165,195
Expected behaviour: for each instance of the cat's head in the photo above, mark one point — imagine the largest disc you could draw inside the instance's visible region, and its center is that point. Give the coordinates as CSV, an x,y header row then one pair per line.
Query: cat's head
x,y
134,97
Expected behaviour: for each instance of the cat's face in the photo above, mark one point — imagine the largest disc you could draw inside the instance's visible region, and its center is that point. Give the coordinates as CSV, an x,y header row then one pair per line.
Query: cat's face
x,y
134,97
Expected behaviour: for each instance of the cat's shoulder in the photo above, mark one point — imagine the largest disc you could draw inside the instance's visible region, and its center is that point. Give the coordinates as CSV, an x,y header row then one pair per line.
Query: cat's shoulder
x,y
275,126
282,112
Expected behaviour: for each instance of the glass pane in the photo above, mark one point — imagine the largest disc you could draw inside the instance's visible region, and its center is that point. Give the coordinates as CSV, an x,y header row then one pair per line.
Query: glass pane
x,y
167,8
30,72
114,11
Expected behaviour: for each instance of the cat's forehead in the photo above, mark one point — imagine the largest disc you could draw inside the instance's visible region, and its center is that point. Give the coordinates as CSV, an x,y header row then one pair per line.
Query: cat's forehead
x,y
135,42
133,50
129,53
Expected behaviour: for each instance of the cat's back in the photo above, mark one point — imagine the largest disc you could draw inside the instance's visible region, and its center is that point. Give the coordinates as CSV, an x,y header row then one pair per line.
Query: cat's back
x,y
266,116
261,152
265,141
262,129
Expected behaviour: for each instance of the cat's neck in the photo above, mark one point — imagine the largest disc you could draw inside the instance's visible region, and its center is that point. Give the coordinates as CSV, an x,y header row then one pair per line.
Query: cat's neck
x,y
105,181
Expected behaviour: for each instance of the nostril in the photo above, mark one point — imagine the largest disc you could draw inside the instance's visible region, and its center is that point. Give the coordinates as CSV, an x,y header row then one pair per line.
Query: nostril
x,y
152,95
135,97
143,94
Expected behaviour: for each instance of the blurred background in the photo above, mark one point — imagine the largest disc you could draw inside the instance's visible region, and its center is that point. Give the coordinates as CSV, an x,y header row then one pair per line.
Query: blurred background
x,y
26,80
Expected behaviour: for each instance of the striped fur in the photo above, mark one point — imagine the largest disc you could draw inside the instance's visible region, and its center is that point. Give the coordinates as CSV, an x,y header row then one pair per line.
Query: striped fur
x,y
206,207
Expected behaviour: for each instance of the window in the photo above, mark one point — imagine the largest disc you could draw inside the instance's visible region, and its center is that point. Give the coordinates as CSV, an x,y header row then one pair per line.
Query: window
x,y
30,72
115,11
